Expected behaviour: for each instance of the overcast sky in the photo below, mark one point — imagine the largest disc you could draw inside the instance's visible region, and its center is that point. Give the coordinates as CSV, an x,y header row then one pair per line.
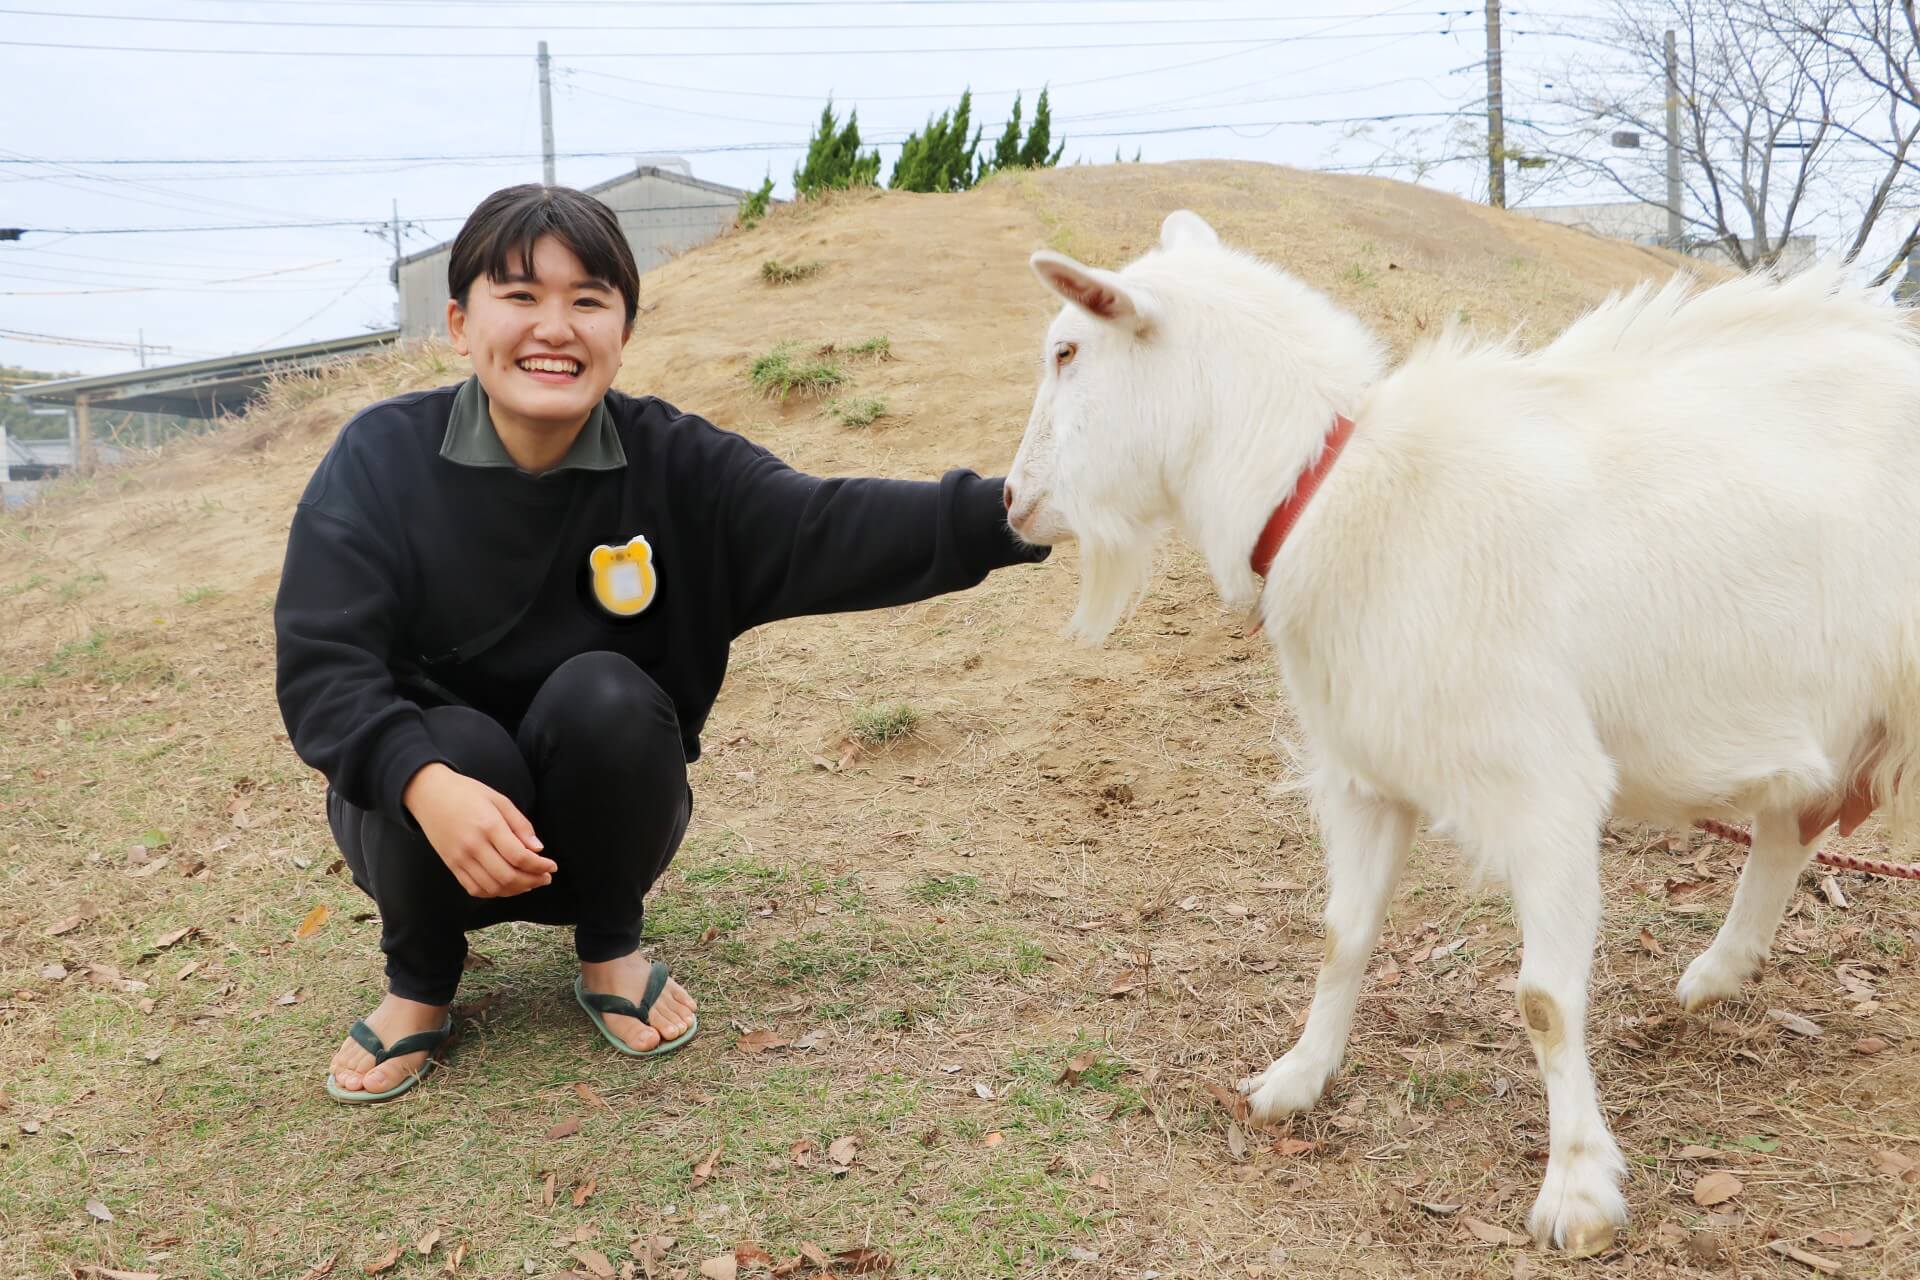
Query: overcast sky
x,y
434,103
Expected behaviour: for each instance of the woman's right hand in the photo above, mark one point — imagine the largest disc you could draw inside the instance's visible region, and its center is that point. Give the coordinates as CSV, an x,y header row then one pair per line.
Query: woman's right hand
x,y
485,841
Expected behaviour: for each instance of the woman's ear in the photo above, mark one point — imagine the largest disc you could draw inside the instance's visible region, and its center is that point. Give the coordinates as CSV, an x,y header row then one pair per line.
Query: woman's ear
x,y
457,325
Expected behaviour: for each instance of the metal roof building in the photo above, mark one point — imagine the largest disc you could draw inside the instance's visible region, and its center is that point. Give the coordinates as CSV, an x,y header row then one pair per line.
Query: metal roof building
x,y
664,213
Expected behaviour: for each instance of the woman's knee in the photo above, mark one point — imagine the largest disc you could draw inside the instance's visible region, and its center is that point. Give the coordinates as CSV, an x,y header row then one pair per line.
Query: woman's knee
x,y
607,699
481,748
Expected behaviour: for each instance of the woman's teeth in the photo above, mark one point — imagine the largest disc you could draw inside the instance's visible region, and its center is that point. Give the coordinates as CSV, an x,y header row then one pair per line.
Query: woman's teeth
x,y
542,364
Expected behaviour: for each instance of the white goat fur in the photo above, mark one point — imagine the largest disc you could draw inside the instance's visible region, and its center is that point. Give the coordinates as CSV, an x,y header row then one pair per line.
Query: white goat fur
x,y
1666,567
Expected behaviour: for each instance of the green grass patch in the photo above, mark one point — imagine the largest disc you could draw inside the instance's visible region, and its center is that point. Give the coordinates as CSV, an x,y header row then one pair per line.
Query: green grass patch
x,y
880,348
935,890
781,373
875,726
194,595
775,272
858,411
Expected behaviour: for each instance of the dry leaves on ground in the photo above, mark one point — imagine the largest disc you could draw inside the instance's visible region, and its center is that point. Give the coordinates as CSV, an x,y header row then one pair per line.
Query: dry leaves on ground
x,y
704,1169
1716,1188
565,1129
1075,1068
758,1042
424,1245
385,1262
1488,1233
843,1152
595,1262
311,925
1826,1266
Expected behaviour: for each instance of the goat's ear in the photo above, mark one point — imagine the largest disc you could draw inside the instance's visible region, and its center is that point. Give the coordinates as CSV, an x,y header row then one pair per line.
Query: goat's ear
x,y
1102,294
1184,228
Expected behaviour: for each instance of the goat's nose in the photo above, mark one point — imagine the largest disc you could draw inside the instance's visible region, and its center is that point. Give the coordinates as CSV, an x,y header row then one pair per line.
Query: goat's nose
x,y
1006,494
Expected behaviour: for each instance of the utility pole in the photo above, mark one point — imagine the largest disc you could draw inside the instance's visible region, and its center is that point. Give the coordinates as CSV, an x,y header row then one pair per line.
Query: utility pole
x,y
546,116
1675,232
1496,121
141,344
392,229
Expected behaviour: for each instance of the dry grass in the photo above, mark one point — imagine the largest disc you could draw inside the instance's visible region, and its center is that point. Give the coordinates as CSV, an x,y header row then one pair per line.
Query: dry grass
x,y
1072,852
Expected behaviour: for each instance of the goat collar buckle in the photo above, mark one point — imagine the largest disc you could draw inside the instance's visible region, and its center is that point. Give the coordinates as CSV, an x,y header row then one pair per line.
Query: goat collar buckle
x,y
1284,516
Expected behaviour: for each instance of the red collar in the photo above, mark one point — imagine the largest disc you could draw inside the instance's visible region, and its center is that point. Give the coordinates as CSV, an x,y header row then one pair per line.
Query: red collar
x,y
1281,522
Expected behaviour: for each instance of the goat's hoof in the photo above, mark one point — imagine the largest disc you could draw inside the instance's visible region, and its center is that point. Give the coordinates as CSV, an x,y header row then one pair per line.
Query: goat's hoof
x,y
1710,979
1285,1088
1580,1210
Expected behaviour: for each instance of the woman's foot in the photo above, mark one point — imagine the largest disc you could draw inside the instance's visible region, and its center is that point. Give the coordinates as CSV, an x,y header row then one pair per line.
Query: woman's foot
x,y
671,1015
396,1018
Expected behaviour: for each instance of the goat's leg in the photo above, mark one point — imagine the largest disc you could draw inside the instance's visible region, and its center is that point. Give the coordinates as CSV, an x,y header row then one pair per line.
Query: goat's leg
x,y
1366,841
1556,891
1741,946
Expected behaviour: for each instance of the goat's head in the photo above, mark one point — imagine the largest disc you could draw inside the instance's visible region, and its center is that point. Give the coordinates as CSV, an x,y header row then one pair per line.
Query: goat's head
x,y
1115,389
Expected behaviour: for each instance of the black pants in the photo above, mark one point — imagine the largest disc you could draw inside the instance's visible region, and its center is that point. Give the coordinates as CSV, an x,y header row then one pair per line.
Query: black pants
x,y
597,767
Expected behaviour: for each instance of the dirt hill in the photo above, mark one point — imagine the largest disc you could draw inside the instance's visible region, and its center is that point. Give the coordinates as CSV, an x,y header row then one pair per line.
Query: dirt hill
x,y
1068,853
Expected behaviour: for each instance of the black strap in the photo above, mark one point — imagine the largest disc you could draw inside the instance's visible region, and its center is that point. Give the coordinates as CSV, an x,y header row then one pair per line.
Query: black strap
x,y
468,650
363,1035
606,1002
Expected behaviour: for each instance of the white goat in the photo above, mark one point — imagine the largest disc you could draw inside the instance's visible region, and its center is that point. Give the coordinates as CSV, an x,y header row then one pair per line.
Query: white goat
x,y
1667,567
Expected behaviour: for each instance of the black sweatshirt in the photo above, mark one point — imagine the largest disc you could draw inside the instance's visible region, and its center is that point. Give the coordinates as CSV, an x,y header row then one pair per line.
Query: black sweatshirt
x,y
403,568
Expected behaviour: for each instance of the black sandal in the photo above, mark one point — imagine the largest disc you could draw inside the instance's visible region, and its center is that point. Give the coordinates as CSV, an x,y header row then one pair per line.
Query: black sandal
x,y
363,1035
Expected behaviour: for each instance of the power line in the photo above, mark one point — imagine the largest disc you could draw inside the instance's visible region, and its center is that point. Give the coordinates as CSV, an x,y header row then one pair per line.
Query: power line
x,y
757,27
691,150
708,53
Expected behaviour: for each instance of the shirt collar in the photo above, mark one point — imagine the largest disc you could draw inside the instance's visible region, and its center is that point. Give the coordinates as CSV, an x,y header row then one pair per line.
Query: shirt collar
x,y
472,440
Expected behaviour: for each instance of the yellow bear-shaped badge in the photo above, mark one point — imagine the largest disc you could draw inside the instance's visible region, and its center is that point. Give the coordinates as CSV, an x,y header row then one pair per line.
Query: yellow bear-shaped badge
x,y
623,578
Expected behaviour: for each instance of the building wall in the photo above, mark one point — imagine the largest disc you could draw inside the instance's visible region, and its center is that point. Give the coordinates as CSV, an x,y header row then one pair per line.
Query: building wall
x,y
1647,224
663,215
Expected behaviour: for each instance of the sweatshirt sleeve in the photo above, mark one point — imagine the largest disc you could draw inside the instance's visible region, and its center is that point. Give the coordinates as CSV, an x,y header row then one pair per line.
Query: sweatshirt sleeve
x,y
335,623
798,544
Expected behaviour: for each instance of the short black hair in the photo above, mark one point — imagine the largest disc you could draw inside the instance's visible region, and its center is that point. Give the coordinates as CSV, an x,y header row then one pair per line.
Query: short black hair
x,y
498,238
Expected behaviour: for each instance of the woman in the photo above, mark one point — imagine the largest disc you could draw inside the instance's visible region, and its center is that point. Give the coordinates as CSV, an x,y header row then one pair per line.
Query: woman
x,y
505,615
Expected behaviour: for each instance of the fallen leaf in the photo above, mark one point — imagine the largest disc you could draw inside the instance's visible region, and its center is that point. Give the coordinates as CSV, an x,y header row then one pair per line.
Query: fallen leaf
x,y
29,1127
1650,944
1698,1153
1826,1266
55,972
166,940
322,1268
291,997
1891,1162
1076,1066
1716,1188
424,1245
315,918
704,1169
722,1266
73,921
1290,1146
1794,1022
1188,903
1487,1233
812,1039
749,1254
1436,1209
983,1090
584,1192
842,1153
1869,1045
1236,1141
110,1273
546,1192
756,1042
1830,889
565,1129
1099,1182
1850,1238
1235,1103
383,1263
816,1255
146,869
99,1210
862,1262
1388,974
588,1096
454,1259
994,1139
595,1262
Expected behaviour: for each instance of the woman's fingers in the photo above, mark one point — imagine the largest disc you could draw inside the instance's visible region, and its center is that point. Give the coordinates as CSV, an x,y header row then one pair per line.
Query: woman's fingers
x,y
521,828
516,869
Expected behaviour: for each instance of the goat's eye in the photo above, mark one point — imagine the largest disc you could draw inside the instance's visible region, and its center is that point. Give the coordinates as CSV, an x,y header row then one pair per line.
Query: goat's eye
x,y
1063,353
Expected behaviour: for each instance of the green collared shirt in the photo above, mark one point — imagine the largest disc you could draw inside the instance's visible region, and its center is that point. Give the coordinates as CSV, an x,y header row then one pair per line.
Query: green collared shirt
x,y
472,440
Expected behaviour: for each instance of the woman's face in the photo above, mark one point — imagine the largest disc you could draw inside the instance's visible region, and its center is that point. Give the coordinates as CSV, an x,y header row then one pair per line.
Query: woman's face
x,y
545,347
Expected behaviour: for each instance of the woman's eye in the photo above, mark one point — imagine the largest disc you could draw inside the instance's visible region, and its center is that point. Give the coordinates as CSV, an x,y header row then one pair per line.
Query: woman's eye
x,y
520,295
590,302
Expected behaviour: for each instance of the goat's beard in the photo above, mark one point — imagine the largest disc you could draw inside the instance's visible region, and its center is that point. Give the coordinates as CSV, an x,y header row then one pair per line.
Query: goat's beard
x,y
1113,577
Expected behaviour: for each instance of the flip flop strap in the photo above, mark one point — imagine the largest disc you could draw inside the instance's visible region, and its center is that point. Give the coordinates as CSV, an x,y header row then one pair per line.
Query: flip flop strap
x,y
605,1002
363,1035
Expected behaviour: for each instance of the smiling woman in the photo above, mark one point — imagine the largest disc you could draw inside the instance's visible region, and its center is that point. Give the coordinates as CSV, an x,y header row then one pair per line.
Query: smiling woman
x,y
506,611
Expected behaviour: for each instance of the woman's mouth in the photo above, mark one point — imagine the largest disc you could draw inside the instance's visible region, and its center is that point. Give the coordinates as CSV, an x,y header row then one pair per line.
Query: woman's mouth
x,y
553,369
